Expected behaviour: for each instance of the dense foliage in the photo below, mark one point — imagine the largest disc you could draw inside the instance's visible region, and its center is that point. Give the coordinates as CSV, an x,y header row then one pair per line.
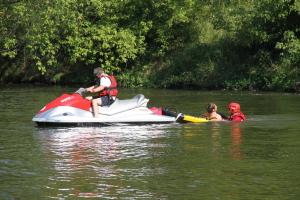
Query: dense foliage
x,y
208,44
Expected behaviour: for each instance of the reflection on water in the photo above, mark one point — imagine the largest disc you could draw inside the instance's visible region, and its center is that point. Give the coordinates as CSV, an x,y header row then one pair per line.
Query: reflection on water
x,y
236,141
96,155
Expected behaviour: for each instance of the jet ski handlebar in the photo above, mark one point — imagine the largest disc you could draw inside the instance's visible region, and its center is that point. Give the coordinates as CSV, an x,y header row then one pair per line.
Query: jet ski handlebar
x,y
81,91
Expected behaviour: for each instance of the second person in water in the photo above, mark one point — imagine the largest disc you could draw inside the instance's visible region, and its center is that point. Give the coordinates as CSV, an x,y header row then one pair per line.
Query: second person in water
x,y
211,113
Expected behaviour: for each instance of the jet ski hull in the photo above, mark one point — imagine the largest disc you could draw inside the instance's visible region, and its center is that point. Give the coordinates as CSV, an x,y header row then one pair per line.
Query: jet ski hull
x,y
93,124
130,111
64,115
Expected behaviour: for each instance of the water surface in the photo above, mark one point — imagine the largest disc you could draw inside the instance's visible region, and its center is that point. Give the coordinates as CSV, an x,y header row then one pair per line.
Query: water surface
x,y
258,159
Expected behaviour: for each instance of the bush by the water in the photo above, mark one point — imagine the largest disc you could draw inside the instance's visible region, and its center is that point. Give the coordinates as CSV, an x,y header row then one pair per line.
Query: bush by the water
x,y
169,43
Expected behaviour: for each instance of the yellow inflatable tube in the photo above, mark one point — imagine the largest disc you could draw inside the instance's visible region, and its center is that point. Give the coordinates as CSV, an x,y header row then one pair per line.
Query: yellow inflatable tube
x,y
188,118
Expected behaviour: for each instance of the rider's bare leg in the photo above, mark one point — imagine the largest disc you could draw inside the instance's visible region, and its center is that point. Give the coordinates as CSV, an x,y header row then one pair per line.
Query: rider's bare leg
x,y
95,103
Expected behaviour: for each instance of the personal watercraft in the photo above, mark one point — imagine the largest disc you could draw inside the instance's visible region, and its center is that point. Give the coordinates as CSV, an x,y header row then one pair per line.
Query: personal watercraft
x,y
74,109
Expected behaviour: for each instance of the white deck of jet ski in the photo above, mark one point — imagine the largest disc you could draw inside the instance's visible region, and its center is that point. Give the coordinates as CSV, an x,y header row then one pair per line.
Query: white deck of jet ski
x,y
122,105
121,111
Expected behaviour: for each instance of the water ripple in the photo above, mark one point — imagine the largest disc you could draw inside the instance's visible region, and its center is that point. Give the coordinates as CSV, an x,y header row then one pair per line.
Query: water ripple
x,y
101,155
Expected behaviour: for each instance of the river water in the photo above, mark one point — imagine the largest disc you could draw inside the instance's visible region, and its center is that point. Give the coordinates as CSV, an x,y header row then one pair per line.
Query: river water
x,y
257,159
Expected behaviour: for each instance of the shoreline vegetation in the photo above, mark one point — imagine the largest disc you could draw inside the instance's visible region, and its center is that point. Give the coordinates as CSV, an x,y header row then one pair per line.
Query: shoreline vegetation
x,y
210,45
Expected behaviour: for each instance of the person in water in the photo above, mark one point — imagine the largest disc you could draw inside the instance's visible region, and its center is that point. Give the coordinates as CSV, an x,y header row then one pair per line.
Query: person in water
x,y
106,87
235,112
211,113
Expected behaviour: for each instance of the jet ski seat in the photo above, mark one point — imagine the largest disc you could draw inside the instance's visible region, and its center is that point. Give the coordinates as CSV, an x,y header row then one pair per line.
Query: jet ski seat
x,y
123,105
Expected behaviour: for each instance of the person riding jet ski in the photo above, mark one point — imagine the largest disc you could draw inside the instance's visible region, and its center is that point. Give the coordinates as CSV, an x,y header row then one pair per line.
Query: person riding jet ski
x,y
106,87
235,112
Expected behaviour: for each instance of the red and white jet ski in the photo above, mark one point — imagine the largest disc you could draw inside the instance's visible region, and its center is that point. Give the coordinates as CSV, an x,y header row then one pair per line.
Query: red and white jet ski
x,y
74,109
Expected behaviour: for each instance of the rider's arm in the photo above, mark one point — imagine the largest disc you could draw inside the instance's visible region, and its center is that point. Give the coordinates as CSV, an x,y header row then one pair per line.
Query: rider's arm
x,y
89,88
104,82
98,89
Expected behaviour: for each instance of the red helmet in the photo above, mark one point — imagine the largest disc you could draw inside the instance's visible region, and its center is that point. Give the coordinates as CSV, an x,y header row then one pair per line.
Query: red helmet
x,y
234,107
